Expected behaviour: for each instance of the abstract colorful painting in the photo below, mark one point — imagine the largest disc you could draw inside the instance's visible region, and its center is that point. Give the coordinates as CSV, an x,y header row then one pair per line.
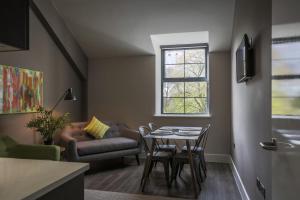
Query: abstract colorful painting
x,y
21,90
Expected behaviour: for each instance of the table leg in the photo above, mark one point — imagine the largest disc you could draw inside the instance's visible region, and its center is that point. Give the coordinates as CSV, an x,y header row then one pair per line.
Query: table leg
x,y
147,168
192,167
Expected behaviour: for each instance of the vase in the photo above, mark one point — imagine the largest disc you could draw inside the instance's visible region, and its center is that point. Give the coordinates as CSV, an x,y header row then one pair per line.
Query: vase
x,y
48,141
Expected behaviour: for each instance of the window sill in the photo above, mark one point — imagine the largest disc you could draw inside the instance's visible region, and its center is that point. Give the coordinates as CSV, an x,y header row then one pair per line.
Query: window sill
x,y
285,117
183,116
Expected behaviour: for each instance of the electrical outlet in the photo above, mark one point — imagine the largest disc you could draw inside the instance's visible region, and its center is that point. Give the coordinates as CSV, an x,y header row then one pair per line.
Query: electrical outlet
x,y
261,188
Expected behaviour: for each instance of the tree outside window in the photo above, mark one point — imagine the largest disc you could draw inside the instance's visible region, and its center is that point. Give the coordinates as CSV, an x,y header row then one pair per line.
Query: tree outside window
x,y
286,76
184,79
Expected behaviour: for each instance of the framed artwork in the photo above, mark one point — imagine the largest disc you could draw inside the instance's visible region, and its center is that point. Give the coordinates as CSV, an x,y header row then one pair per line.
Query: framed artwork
x,y
21,90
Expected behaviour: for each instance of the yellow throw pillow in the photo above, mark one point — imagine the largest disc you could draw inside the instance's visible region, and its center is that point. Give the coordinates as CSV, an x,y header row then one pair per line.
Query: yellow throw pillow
x,y
96,128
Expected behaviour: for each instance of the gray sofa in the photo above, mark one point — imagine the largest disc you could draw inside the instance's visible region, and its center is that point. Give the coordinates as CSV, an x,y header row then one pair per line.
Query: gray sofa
x,y
118,141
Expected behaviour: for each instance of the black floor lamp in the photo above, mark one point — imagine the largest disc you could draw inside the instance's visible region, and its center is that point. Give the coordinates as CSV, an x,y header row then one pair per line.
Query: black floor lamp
x,y
67,96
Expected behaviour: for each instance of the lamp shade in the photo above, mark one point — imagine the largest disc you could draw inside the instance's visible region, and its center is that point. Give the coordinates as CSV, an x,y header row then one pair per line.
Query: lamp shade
x,y
69,96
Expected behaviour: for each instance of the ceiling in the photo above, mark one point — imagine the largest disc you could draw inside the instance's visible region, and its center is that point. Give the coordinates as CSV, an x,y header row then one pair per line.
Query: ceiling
x,y
108,28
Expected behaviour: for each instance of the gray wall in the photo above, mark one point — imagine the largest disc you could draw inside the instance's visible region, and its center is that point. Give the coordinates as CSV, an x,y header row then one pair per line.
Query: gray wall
x,y
123,89
64,35
285,11
58,76
251,102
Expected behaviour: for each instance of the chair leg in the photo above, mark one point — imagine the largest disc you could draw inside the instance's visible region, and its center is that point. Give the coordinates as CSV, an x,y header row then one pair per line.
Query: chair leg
x,y
172,160
147,172
171,164
203,164
200,171
155,163
145,168
180,169
137,159
151,167
202,167
176,170
166,169
174,173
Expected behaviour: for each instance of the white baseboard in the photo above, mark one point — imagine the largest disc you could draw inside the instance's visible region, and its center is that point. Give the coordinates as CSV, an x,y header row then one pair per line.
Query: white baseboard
x,y
239,181
225,158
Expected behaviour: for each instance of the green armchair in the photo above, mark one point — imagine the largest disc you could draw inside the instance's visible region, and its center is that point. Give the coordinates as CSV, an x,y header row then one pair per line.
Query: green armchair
x,y
11,149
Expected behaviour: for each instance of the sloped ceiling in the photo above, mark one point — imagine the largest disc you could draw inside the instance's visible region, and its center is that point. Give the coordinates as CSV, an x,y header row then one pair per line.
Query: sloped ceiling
x,y
108,28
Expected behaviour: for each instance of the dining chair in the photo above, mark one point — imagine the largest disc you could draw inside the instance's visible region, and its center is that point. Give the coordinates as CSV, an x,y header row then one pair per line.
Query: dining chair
x,y
200,151
163,146
158,156
180,159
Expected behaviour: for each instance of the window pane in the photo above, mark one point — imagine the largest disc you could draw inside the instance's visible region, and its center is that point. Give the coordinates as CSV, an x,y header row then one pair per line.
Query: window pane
x,y
195,105
195,56
286,88
286,67
286,106
173,89
288,50
195,89
174,57
173,105
174,71
182,96
194,70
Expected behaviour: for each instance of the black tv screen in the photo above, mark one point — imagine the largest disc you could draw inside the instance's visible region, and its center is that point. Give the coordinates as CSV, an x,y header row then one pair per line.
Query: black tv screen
x,y
244,61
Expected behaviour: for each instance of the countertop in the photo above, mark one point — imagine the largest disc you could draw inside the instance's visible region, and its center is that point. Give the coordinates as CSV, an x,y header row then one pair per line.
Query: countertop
x,y
31,179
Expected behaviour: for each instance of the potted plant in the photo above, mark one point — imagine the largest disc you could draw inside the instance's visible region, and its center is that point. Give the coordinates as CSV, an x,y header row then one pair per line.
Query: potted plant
x,y
47,124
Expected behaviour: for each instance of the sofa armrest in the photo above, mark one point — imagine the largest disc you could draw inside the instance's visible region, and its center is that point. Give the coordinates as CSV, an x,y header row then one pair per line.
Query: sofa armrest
x,y
39,152
132,134
69,142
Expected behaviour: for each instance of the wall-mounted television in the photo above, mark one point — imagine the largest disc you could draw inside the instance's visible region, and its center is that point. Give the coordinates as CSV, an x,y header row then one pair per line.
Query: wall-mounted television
x,y
244,60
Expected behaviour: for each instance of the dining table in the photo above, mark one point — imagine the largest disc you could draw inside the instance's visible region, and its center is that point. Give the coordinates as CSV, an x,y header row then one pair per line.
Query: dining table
x,y
175,133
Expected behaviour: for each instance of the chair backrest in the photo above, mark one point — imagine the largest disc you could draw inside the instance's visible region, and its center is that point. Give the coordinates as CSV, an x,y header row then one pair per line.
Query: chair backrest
x,y
152,126
144,130
203,144
201,141
5,143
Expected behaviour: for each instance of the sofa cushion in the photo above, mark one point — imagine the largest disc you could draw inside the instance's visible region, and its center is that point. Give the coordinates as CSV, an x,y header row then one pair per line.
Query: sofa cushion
x,y
82,136
113,131
96,128
105,145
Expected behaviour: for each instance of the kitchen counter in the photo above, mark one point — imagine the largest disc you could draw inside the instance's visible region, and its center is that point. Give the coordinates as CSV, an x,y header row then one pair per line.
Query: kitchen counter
x,y
36,179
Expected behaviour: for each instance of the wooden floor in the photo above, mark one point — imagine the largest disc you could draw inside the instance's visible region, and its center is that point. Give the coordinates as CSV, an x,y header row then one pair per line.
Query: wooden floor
x,y
124,176
105,195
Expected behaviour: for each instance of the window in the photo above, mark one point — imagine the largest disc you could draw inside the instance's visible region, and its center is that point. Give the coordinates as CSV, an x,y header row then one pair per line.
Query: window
x,y
184,86
286,76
